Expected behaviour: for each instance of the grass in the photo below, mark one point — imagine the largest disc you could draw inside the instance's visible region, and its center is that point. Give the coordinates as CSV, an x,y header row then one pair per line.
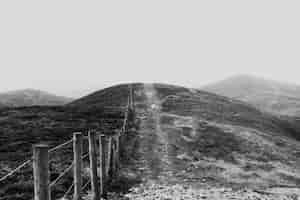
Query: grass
x,y
195,122
20,128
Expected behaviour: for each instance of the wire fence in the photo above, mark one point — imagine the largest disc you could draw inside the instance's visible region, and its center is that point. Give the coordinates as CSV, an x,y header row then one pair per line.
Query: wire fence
x,y
71,166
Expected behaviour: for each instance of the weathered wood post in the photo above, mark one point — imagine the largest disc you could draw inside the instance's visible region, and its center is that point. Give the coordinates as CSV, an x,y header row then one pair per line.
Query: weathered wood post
x,y
108,163
77,148
93,165
41,172
117,156
113,154
111,158
102,145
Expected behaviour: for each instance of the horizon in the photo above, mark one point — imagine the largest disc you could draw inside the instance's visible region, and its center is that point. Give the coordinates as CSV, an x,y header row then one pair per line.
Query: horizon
x,y
72,48
88,91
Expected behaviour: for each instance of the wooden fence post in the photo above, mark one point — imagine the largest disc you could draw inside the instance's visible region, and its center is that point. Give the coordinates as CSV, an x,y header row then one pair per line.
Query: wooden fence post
x,y
111,158
117,157
93,165
41,172
114,157
108,163
102,145
77,148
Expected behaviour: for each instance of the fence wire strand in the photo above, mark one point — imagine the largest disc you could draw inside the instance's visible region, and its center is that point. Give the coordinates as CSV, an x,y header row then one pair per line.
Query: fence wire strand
x,y
86,185
60,146
68,191
61,175
15,170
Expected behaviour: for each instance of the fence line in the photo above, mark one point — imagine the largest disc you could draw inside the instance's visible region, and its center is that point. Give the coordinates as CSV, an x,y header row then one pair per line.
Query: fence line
x,y
109,161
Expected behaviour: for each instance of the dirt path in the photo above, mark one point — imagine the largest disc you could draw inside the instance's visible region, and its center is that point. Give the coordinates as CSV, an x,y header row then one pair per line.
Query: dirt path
x,y
154,142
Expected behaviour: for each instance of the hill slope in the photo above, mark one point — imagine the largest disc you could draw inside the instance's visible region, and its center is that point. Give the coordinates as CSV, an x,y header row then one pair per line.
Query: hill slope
x,y
31,97
271,96
186,137
115,96
215,137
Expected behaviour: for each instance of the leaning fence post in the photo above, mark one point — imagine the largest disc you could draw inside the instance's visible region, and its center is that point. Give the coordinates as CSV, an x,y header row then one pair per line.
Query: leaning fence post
x,y
102,144
77,146
41,172
93,165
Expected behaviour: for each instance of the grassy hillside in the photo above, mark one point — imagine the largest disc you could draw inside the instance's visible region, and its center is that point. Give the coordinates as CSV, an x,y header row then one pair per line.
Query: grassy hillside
x,y
183,136
30,97
194,137
275,97
20,128
108,97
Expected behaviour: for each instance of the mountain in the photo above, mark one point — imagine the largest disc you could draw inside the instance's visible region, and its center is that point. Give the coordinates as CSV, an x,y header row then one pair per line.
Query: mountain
x,y
267,95
182,137
31,97
201,135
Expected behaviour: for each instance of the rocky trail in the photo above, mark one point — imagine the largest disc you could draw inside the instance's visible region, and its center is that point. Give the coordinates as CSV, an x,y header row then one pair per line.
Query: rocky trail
x,y
154,143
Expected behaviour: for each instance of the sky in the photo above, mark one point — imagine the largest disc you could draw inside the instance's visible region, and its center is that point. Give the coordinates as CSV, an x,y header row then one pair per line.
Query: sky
x,y
74,47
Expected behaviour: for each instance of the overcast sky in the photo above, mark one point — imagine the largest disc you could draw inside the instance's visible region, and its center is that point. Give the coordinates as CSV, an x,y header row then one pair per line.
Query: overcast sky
x,y
72,48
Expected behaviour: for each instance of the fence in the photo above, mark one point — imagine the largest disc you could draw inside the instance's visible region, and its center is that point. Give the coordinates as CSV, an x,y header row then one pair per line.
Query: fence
x,y
109,159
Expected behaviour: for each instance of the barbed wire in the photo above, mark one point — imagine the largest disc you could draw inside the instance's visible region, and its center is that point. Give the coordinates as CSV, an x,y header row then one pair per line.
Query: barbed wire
x,y
53,183
68,191
85,185
28,161
15,170
60,146
85,155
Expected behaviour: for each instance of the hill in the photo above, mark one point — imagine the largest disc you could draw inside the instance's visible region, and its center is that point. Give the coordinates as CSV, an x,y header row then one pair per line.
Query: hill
x,y
192,138
31,97
116,96
271,96
203,141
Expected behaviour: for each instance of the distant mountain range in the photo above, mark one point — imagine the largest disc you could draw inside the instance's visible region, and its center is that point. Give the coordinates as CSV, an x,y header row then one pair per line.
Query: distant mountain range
x,y
31,97
268,95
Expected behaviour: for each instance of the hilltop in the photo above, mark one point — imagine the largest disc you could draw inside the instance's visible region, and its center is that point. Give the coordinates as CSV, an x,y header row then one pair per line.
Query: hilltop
x,y
115,96
268,95
31,97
